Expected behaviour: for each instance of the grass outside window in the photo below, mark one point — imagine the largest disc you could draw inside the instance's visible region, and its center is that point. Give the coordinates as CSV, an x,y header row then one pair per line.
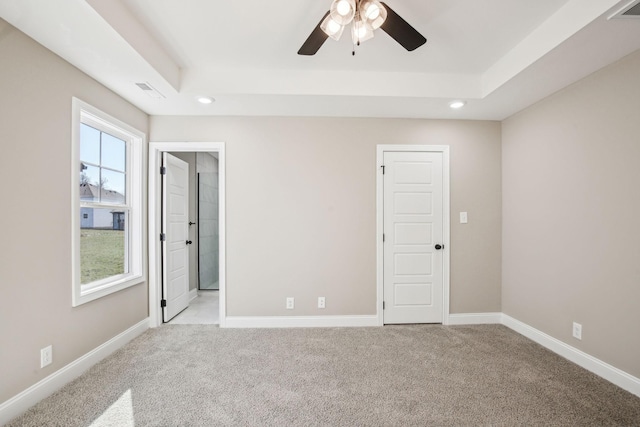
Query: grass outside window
x,y
102,254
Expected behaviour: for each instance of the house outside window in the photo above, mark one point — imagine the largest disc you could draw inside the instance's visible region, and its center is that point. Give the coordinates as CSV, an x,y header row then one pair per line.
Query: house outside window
x,y
107,241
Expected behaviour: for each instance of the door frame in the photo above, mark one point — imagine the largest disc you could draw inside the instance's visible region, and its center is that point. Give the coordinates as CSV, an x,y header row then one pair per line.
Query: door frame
x,y
155,198
446,222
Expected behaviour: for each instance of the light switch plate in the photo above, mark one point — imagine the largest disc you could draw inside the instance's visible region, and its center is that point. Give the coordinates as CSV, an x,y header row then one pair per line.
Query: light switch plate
x,y
463,218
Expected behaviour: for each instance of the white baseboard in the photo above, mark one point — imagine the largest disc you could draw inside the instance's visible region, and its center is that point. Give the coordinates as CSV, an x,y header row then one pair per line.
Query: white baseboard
x,y
299,321
590,363
345,321
475,319
193,294
47,386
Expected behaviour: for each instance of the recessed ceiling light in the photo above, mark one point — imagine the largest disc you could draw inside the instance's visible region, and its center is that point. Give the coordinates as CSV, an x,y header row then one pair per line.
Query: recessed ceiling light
x,y
457,104
205,100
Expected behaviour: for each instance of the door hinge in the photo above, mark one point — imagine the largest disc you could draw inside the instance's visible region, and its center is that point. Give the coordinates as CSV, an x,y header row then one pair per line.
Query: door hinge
x,y
163,170
383,237
383,305
163,237
382,169
163,303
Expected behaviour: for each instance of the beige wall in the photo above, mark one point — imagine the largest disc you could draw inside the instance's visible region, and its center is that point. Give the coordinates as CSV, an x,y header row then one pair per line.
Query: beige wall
x,y
571,171
36,88
301,211
190,158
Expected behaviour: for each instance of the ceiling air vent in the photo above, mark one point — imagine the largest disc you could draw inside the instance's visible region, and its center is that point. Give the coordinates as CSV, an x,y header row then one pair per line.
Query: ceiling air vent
x,y
150,90
630,11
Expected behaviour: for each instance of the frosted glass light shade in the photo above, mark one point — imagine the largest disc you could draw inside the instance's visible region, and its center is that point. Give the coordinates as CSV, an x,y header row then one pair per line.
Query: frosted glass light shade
x,y
361,31
373,12
343,11
332,28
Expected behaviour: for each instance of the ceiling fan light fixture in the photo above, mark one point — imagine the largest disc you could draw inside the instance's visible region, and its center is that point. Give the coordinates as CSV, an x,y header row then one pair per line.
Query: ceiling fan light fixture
x,y
332,28
364,16
373,12
343,11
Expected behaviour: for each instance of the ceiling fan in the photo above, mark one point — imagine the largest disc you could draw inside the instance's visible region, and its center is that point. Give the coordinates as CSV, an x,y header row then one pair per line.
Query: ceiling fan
x,y
365,16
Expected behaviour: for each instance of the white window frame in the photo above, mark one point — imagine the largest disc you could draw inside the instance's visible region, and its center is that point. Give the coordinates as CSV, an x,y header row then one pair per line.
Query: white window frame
x,y
85,113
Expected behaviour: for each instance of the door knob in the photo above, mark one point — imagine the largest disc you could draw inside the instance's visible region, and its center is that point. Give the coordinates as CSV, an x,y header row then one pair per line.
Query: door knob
x,y
189,242
439,246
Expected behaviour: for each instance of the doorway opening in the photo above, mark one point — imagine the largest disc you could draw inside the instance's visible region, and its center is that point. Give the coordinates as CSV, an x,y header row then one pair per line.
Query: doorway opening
x,y
204,229
193,287
207,222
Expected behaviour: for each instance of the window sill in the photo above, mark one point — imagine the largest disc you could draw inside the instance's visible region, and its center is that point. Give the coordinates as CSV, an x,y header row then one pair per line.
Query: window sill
x,y
99,291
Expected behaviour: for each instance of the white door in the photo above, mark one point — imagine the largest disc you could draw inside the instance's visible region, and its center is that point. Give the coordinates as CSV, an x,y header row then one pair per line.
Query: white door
x,y
413,237
175,226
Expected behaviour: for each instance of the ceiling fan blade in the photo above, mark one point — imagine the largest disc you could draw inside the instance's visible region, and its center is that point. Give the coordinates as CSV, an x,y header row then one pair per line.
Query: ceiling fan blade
x,y
401,31
315,40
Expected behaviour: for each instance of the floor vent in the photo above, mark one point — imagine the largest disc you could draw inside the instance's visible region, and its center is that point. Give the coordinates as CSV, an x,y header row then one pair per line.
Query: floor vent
x,y
630,11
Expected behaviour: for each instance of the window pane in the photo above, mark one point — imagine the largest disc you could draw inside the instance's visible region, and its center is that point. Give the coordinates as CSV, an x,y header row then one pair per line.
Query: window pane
x,y
89,144
113,187
89,183
113,152
102,244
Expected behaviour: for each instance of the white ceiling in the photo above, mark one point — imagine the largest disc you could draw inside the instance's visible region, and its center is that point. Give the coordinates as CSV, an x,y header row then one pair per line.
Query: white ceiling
x,y
498,55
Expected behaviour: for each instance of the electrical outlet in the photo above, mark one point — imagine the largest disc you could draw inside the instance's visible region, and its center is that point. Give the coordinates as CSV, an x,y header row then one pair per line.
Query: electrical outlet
x,y
290,303
577,330
46,356
321,302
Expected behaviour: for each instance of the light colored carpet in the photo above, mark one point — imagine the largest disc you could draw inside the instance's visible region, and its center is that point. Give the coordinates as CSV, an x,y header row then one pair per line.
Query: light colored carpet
x,y
415,375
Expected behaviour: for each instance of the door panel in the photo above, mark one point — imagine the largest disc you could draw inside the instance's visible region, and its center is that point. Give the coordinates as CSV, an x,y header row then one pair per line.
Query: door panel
x,y
412,204
413,224
413,234
412,264
412,293
175,223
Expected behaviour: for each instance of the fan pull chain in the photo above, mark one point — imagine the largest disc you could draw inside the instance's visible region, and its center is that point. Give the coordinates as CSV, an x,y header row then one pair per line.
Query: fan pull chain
x,y
355,26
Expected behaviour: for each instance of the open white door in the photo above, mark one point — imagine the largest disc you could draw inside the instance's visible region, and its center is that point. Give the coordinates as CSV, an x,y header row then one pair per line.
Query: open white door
x,y
175,227
413,244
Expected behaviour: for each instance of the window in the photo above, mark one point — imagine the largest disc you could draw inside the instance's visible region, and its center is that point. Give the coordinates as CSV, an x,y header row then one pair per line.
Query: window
x,y
107,217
